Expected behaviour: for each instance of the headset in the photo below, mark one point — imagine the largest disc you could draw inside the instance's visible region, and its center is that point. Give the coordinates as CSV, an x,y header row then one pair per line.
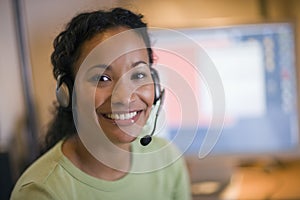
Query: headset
x,y
64,91
159,96
64,88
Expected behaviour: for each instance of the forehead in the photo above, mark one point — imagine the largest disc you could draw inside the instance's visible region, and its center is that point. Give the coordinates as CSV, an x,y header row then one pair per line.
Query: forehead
x,y
109,45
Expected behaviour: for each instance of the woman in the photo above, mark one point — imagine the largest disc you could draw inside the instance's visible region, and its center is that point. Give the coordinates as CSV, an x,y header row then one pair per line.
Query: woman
x,y
106,58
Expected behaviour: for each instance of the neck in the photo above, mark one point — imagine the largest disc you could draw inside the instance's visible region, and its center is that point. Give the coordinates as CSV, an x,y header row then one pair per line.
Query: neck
x,y
77,153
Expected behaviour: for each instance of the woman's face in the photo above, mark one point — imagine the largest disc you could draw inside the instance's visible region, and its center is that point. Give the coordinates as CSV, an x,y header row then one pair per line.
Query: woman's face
x,y
123,87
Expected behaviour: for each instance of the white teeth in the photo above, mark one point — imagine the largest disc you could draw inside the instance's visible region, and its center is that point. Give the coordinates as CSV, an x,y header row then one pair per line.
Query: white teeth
x,y
123,116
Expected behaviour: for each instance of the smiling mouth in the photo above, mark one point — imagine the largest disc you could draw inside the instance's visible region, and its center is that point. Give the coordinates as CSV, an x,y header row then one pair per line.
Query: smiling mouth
x,y
121,116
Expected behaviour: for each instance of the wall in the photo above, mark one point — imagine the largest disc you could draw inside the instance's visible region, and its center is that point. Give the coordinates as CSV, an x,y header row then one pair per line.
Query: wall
x,y
11,90
45,19
182,13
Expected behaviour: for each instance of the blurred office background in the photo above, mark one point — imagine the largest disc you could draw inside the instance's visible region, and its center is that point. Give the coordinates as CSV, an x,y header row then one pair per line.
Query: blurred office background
x,y
28,28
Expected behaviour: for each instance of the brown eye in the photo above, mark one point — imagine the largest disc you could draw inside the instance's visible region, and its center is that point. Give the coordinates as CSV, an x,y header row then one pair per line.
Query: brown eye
x,y
137,76
104,78
100,78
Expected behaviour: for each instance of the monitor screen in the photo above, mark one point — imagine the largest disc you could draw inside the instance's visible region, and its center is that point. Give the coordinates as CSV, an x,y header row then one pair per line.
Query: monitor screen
x,y
257,67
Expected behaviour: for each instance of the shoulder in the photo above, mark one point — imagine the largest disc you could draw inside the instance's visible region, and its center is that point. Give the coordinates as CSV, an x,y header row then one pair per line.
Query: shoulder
x,y
37,174
32,190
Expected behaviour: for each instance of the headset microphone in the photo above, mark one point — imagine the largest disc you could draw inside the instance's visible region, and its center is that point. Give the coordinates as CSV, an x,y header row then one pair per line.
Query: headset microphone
x,y
148,138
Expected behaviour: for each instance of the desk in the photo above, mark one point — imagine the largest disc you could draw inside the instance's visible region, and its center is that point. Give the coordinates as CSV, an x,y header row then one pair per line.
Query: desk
x,y
265,182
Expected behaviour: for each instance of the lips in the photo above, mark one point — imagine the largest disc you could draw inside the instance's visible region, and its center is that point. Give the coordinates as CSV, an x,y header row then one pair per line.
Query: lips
x,y
123,118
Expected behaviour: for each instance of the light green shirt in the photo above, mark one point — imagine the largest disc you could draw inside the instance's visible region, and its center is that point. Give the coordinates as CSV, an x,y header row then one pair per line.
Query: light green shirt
x,y
53,176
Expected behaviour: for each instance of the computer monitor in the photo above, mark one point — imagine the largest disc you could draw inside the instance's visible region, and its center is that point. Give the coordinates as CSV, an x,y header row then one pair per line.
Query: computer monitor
x,y
257,67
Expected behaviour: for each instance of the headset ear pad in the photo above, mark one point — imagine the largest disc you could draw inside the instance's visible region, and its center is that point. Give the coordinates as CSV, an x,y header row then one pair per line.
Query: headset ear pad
x,y
63,91
157,88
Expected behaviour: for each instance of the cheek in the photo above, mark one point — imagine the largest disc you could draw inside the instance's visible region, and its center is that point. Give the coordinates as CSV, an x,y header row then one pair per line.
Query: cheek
x,y
100,97
146,94
85,95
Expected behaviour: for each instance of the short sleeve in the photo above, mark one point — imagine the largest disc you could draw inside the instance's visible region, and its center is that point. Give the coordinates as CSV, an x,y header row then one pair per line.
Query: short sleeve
x,y
32,191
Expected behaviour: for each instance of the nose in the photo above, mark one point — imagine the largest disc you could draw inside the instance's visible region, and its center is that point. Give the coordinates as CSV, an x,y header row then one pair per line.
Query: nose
x,y
123,93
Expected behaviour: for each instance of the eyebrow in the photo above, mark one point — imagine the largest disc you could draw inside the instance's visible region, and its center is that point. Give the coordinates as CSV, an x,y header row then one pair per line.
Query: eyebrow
x,y
138,62
108,67
102,66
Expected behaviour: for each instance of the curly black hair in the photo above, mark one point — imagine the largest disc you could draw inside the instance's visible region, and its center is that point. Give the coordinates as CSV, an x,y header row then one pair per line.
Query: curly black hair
x,y
67,49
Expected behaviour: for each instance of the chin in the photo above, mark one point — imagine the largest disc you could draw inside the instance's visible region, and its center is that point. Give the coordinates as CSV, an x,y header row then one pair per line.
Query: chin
x,y
121,137
121,134
120,141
